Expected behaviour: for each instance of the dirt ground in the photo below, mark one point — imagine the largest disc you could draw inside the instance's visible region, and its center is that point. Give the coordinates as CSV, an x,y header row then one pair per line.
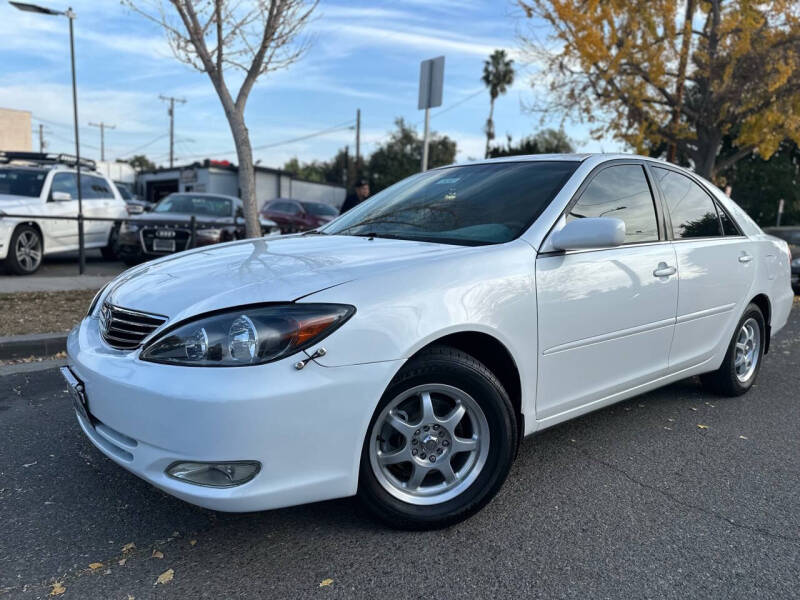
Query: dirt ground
x,y
42,312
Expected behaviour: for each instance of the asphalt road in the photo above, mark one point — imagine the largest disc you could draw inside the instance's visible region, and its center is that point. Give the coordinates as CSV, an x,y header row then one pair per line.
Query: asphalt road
x,y
634,501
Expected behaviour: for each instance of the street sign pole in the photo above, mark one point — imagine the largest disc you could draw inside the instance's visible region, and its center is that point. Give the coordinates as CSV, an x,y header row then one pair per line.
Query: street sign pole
x,y
431,82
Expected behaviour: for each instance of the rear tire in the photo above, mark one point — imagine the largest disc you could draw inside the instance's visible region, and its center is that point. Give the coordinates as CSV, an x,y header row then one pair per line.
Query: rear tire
x,y
453,451
742,361
111,250
25,250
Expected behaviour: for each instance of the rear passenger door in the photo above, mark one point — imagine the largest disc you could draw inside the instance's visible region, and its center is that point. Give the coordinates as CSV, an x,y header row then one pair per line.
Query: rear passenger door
x,y
97,198
606,316
715,268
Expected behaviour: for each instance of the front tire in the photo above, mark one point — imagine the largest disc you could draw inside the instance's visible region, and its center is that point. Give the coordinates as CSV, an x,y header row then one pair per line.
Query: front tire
x,y
111,250
440,444
25,250
742,361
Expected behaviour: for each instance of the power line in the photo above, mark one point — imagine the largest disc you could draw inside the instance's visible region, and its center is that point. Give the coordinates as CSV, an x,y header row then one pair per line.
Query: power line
x,y
143,146
340,127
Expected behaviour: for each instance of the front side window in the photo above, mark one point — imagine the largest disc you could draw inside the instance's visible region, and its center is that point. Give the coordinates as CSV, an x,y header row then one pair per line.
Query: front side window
x,y
210,206
469,205
691,209
65,183
22,182
620,192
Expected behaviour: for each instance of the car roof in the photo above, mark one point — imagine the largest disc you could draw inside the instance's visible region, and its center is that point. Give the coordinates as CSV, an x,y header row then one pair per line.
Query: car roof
x,y
206,195
599,157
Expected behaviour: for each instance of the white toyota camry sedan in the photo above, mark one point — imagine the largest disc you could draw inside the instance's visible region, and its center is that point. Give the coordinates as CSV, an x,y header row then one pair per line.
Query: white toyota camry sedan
x,y
402,351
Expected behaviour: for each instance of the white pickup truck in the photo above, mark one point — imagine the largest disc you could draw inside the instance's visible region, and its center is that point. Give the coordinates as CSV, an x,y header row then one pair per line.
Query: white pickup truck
x,y
45,185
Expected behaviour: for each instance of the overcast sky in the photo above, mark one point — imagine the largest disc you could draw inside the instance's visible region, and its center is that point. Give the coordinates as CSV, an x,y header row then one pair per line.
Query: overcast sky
x,y
365,54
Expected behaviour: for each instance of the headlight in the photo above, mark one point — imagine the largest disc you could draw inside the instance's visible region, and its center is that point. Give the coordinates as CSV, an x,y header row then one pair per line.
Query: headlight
x,y
796,263
247,336
93,305
130,227
209,234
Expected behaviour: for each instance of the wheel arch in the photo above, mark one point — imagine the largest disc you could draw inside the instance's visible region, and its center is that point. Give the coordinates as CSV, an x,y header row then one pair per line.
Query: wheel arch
x,y
36,226
763,303
496,357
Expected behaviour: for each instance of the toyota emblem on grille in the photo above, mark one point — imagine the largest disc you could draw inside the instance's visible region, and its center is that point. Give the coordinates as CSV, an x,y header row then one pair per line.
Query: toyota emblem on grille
x,y
165,233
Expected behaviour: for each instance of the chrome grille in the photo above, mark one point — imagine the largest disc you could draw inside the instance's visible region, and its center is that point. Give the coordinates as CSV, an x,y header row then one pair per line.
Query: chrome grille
x,y
125,329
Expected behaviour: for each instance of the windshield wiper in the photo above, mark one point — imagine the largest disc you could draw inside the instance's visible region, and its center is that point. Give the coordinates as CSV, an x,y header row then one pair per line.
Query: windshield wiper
x,y
313,232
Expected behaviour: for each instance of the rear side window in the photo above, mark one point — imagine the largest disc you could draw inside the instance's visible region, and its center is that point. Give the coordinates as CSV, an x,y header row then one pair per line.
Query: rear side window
x,y
728,226
621,192
93,188
693,212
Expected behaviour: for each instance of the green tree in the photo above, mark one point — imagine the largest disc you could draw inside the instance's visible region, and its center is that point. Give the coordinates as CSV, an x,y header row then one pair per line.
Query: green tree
x,y
338,170
401,155
672,75
498,74
547,141
141,163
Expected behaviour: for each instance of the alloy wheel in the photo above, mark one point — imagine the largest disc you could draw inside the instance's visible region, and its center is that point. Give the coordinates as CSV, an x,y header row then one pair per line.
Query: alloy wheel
x,y
28,250
747,350
429,444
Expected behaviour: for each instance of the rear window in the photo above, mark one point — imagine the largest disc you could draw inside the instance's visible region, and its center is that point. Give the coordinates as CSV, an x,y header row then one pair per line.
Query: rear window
x,y
471,205
320,210
22,182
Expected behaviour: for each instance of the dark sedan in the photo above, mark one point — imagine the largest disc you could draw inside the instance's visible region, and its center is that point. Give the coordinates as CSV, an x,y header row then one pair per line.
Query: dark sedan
x,y
792,236
295,215
167,229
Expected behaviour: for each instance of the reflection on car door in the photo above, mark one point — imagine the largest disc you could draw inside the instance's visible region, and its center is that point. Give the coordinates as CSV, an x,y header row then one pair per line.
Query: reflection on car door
x,y
606,317
715,265
97,198
62,234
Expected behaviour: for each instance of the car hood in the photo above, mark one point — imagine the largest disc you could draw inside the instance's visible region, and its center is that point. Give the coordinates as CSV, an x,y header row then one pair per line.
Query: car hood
x,y
8,201
251,271
180,218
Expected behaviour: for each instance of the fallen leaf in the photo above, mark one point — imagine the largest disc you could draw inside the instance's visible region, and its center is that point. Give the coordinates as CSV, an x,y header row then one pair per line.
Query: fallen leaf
x,y
30,464
668,428
129,547
57,589
741,437
192,542
165,577
157,554
326,582
702,426
122,562
671,420
693,408
95,566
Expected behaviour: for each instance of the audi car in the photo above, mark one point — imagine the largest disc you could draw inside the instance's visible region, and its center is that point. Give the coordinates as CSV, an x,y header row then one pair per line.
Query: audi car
x,y
168,227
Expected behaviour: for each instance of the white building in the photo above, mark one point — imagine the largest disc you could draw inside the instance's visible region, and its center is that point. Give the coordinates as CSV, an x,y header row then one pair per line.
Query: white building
x,y
223,178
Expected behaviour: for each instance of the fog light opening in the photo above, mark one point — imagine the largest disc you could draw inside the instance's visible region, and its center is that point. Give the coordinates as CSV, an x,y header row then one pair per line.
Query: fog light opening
x,y
220,475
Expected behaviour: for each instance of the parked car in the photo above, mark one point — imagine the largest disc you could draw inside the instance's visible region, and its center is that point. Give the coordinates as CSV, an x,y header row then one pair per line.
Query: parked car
x,y
295,215
135,205
218,218
45,185
402,351
792,236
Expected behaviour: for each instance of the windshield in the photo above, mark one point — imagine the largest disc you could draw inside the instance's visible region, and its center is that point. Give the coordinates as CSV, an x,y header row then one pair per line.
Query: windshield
x,y
124,192
22,182
212,206
471,204
320,210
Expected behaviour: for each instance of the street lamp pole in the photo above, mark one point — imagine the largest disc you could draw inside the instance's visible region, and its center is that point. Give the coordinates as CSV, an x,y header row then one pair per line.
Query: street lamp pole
x,y
42,10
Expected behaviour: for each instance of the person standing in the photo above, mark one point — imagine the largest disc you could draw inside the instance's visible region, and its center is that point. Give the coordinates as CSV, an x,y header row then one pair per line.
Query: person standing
x,y
360,193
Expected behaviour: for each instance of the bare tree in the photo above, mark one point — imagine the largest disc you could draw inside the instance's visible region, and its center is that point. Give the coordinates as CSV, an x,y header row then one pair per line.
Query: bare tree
x,y
247,36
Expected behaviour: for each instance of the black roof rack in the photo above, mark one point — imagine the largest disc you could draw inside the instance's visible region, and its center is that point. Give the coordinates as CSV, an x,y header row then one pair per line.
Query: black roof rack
x,y
47,159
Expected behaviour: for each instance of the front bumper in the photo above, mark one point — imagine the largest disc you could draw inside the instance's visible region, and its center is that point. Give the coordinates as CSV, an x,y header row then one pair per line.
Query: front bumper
x,y
306,427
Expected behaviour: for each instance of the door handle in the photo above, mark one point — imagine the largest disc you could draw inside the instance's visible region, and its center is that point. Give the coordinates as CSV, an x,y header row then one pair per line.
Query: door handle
x,y
745,258
664,270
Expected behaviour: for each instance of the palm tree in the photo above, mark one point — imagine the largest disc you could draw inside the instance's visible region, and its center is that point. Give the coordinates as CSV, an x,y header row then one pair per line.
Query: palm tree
x,y
498,74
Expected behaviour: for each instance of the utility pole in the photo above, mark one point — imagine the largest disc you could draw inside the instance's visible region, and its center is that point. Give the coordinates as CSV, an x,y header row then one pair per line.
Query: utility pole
x,y
171,113
41,139
103,127
358,142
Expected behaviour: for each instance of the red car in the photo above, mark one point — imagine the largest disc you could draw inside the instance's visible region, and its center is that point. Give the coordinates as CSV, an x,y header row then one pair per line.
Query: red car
x,y
295,215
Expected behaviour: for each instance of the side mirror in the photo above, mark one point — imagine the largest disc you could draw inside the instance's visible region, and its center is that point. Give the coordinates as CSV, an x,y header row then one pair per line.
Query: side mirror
x,y
61,196
590,232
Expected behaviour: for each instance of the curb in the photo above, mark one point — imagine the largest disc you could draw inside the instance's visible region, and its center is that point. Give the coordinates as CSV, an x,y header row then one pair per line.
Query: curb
x,y
31,367
38,344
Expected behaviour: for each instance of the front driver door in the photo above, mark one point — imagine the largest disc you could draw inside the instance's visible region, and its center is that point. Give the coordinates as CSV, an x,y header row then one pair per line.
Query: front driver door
x,y
606,316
